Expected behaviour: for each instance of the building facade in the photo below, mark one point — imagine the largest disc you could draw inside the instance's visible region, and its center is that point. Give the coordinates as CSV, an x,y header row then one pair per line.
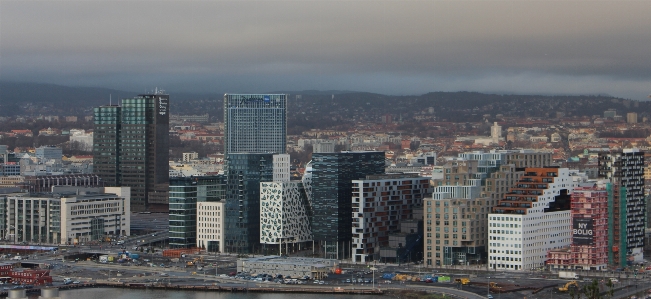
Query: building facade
x,y
45,153
244,173
284,214
255,123
210,225
91,217
185,193
130,149
532,219
332,175
625,169
380,203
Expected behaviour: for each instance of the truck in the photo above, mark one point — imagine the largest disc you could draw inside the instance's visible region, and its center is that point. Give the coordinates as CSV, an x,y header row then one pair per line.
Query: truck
x,y
568,275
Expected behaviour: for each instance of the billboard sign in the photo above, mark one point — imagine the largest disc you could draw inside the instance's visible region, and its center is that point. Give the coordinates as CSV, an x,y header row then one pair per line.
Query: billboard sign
x,y
582,231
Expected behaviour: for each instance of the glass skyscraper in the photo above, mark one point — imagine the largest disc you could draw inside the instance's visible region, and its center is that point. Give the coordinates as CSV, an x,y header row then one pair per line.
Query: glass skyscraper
x,y
132,149
244,172
255,123
332,187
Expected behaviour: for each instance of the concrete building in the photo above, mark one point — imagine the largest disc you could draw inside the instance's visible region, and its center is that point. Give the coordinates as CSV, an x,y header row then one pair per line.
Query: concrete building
x,y
631,118
284,214
380,203
294,267
625,169
210,226
532,219
187,157
88,217
255,123
282,166
324,147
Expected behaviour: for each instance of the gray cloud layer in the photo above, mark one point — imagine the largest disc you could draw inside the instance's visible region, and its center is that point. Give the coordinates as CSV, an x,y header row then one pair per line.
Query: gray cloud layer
x,y
397,47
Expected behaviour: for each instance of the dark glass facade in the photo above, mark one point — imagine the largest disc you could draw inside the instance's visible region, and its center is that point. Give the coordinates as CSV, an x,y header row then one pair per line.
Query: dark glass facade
x,y
244,172
106,145
332,175
132,149
185,192
255,123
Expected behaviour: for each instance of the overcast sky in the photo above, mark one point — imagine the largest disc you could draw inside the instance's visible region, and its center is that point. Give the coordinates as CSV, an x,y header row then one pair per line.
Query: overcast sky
x,y
390,47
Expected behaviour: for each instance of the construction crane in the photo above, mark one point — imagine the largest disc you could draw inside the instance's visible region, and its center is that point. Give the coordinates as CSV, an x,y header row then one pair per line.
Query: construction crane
x,y
568,285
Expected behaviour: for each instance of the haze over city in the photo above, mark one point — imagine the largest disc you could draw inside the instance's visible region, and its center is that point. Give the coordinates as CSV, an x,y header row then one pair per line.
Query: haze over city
x,y
391,47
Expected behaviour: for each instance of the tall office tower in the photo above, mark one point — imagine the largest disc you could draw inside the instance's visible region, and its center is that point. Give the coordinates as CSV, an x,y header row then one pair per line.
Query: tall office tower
x,y
625,169
131,149
332,187
244,173
106,143
255,123
532,219
185,194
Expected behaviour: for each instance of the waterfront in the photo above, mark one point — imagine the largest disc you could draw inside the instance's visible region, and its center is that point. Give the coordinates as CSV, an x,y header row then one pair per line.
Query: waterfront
x,y
119,293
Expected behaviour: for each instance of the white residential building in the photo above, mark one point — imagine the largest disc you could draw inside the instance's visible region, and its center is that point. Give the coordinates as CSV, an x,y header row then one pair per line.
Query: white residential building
x,y
533,218
210,225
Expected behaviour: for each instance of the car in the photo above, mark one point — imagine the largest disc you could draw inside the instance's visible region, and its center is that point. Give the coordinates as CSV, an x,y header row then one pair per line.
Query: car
x,y
489,296
347,280
76,282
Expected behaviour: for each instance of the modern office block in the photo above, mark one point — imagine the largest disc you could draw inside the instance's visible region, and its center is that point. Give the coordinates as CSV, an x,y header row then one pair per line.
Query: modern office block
x,y
244,173
45,153
284,214
185,193
331,198
131,148
106,143
255,123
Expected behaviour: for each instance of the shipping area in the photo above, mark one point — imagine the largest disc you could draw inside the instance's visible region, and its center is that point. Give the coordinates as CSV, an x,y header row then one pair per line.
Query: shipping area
x,y
32,268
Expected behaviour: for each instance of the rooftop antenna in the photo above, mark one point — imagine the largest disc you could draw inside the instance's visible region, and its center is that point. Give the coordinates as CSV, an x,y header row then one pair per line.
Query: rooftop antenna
x,y
110,100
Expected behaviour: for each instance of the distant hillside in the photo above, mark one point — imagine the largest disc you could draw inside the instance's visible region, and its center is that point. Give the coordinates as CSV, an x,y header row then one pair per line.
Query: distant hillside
x,y
327,109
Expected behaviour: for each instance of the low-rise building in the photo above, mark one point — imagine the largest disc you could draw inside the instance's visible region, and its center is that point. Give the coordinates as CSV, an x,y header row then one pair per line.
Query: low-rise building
x,y
294,267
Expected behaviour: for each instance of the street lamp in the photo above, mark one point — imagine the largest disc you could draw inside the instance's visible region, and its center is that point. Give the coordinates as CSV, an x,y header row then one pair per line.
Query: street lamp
x,y
488,286
373,269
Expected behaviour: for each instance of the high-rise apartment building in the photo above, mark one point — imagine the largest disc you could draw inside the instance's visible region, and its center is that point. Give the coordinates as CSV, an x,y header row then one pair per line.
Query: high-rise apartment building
x,y
532,219
255,123
244,173
185,194
625,170
380,204
332,188
130,149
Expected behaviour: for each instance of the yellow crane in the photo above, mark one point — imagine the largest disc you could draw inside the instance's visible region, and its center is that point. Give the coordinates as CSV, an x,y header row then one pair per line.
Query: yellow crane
x,y
568,285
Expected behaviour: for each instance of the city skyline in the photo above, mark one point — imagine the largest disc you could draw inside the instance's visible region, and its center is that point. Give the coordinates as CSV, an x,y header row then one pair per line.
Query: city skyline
x,y
391,47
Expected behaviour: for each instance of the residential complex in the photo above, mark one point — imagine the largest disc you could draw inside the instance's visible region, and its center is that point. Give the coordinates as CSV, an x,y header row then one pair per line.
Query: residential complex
x,y
380,203
625,169
532,219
